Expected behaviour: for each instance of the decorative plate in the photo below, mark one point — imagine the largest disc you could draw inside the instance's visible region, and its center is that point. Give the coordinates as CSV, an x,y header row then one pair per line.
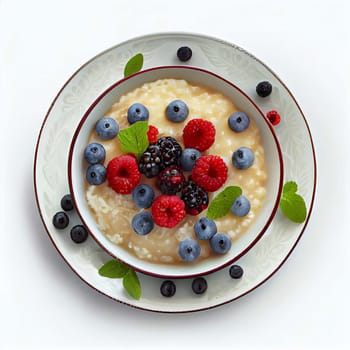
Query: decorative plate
x,y
232,63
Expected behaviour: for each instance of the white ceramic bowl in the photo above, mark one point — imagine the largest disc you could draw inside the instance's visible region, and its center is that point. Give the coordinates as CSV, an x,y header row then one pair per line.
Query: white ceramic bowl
x,y
273,160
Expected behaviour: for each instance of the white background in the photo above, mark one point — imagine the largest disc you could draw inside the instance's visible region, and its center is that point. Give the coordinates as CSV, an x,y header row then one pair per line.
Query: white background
x,y
44,305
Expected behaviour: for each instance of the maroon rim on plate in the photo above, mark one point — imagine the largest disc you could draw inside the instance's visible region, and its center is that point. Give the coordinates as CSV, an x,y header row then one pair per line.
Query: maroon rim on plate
x,y
189,274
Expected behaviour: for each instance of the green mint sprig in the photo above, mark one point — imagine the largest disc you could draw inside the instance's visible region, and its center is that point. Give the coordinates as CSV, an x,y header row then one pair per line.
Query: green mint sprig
x,y
134,139
222,203
134,65
292,204
116,269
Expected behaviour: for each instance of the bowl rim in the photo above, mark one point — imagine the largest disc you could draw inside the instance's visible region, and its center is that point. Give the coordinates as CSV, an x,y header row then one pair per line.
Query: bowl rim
x,y
193,274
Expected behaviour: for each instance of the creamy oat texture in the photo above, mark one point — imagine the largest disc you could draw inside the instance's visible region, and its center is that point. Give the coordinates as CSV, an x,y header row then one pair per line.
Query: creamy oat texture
x,y
113,212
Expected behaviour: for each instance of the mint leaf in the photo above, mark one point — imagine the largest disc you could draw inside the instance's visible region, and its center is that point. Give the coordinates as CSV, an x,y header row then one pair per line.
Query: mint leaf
x,y
133,65
292,204
132,285
113,269
290,186
134,139
222,203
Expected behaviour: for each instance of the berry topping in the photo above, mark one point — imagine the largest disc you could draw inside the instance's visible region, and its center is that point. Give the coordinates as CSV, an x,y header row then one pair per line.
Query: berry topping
x,y
170,151
273,117
107,128
142,223
195,198
143,196
78,234
168,211
60,220
184,53
243,158
150,161
166,151
238,121
177,111
137,112
199,133
189,249
188,158
123,174
94,153
241,206
236,271
264,89
210,172
205,228
220,243
171,180
199,285
67,202
152,134
96,174
168,289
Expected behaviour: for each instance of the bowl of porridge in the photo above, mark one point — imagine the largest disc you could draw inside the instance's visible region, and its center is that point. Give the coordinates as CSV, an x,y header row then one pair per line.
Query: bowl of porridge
x,y
175,171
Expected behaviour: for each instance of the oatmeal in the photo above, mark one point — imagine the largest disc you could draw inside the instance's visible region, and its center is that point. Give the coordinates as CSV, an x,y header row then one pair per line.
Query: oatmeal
x,y
114,212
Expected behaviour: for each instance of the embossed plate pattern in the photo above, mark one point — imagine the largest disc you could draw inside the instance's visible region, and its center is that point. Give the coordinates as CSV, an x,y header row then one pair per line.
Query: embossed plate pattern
x,y
232,63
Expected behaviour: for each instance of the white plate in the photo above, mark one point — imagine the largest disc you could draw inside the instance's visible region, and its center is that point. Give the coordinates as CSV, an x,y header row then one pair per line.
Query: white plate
x,y
230,62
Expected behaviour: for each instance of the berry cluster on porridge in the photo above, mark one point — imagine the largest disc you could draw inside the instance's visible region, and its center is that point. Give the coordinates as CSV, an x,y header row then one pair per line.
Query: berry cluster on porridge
x,y
191,144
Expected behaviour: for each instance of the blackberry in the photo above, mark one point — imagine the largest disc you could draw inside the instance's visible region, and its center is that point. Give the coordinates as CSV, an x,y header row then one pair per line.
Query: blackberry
x,y
170,151
195,198
150,161
171,180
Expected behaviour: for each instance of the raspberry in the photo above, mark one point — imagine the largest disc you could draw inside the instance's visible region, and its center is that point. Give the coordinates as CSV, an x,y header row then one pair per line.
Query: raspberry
x,y
199,134
195,198
168,211
273,117
171,180
123,174
152,134
210,172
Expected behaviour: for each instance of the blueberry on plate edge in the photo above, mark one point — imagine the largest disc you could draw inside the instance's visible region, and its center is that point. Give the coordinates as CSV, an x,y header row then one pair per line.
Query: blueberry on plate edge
x,y
60,220
78,234
168,288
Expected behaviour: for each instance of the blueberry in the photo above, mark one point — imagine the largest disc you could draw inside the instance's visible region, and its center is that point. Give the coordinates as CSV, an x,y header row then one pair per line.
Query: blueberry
x,y
205,228
238,121
184,53
137,112
78,234
264,89
107,128
143,196
96,174
67,202
241,206
236,271
168,288
220,243
189,249
199,285
243,158
94,153
60,220
142,223
188,158
177,111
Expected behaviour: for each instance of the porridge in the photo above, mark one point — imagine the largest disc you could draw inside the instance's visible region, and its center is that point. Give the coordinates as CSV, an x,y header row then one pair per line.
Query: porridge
x,y
114,212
